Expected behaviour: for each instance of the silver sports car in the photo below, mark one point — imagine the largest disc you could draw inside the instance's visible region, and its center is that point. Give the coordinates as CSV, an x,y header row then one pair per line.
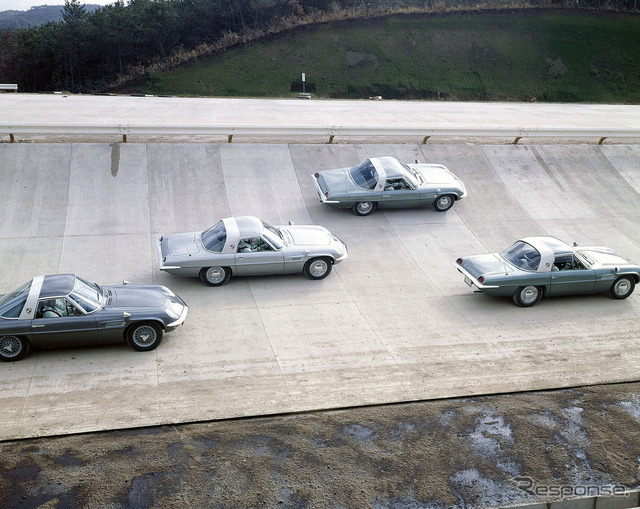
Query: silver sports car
x,y
534,267
385,182
65,310
245,246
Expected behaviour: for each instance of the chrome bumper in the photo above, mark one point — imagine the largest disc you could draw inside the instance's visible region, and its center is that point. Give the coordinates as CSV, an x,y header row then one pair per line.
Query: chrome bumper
x,y
470,280
161,264
323,198
179,321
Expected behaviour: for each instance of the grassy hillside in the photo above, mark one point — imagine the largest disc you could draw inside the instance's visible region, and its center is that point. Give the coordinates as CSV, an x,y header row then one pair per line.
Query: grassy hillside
x,y
502,55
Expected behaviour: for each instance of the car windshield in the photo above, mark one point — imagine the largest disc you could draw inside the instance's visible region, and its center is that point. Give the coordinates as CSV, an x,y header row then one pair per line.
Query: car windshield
x,y
364,175
522,255
274,235
12,303
215,237
87,295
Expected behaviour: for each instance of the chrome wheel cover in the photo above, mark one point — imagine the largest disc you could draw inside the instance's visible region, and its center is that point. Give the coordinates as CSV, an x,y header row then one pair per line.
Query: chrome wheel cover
x,y
215,275
529,295
443,202
364,207
621,287
144,335
318,268
10,346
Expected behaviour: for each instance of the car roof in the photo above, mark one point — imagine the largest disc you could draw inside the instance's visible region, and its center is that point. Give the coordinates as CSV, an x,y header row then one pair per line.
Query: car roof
x,y
249,226
392,167
558,246
57,285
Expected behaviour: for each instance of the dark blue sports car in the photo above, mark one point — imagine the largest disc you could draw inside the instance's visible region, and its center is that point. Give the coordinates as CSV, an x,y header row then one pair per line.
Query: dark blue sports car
x,y
65,310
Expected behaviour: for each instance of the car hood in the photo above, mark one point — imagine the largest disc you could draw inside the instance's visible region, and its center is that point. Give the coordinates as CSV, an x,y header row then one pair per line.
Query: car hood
x,y
181,244
435,174
308,235
604,256
135,296
486,265
337,181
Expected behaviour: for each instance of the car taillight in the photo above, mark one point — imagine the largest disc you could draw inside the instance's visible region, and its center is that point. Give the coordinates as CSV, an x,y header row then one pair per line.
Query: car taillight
x,y
326,195
316,175
459,261
161,239
164,259
481,279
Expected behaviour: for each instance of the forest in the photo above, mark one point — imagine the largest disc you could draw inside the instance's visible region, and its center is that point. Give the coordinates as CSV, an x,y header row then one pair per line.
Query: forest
x,y
89,52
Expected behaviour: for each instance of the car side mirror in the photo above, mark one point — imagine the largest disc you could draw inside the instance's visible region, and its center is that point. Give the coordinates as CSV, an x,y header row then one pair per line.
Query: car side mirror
x,y
616,270
126,315
291,223
575,244
125,282
417,161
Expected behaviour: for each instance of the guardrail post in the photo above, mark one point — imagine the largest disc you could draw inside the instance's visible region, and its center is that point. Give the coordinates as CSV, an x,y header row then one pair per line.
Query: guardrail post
x,y
424,140
602,140
124,138
518,138
331,137
12,138
230,138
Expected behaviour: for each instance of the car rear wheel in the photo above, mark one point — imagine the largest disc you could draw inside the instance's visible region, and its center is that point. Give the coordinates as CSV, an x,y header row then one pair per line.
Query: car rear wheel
x,y
13,348
215,276
317,268
443,203
144,336
364,208
622,287
527,296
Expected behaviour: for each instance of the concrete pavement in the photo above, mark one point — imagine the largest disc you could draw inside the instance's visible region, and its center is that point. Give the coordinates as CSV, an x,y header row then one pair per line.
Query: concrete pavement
x,y
176,111
394,322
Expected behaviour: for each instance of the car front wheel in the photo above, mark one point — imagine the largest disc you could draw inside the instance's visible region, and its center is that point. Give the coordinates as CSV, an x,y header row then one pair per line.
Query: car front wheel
x,y
622,287
527,296
443,203
144,336
13,348
215,276
364,208
317,268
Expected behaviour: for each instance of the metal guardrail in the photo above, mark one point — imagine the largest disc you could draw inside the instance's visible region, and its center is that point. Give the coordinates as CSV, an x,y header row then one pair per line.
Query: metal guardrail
x,y
329,132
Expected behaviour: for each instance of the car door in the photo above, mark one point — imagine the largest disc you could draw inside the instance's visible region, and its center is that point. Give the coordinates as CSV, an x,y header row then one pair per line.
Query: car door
x,y
398,193
58,322
573,278
255,256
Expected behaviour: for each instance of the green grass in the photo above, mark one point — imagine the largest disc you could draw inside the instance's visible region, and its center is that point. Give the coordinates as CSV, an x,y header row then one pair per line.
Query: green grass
x,y
507,55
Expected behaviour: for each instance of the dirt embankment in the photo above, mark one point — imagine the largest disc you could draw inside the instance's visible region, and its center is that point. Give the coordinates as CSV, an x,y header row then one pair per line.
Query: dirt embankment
x,y
470,452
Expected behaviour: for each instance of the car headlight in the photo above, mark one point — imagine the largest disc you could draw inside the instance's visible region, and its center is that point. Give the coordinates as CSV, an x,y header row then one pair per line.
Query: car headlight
x,y
174,309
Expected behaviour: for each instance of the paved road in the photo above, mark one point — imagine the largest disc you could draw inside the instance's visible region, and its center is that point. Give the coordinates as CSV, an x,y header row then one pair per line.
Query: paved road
x,y
393,323
124,110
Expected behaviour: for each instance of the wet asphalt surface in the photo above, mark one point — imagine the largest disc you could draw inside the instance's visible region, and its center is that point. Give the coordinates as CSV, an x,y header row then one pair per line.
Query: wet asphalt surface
x,y
462,453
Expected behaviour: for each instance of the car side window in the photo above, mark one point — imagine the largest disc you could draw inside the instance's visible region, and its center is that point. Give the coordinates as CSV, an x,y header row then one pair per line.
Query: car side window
x,y
253,245
567,263
398,184
54,308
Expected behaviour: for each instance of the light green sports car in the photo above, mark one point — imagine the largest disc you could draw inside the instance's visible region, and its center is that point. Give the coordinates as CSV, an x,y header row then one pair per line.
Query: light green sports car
x,y
385,182
545,266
